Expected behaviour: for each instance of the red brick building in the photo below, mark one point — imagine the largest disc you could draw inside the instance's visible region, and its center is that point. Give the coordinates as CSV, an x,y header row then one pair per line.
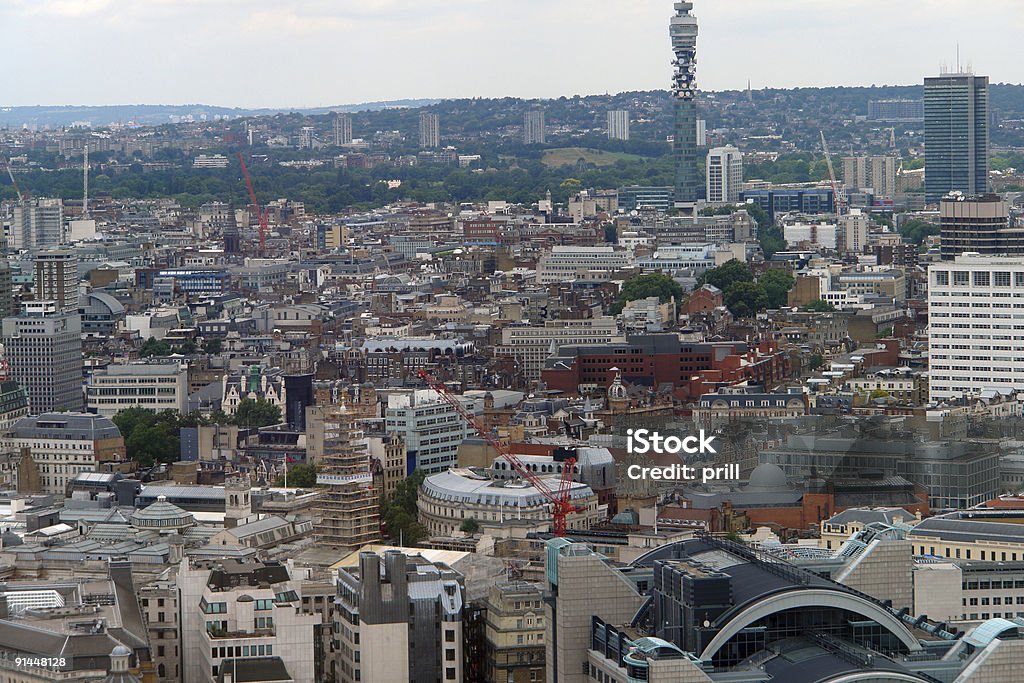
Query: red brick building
x,y
654,360
705,298
482,231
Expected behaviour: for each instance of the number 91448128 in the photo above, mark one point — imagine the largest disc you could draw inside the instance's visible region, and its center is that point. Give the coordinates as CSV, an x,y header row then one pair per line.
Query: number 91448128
x,y
40,662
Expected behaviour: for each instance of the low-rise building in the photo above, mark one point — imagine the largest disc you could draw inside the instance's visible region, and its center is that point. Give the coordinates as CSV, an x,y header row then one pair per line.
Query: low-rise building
x,y
565,263
62,445
154,386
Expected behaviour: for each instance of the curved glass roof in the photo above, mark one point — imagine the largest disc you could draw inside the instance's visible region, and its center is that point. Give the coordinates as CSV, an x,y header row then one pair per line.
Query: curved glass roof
x,y
990,630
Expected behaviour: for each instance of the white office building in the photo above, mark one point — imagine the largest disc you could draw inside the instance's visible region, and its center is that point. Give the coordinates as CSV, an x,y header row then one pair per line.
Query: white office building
x,y
63,445
37,224
724,174
533,127
43,348
855,227
679,258
618,124
210,161
342,129
430,130
235,613
805,234
155,386
432,429
565,263
975,325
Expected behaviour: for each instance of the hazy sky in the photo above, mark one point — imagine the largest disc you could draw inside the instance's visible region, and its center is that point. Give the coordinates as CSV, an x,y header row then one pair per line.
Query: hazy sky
x,y
319,52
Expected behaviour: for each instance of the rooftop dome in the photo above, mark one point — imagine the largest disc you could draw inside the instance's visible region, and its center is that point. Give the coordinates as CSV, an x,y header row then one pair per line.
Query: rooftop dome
x,y
768,477
9,538
161,516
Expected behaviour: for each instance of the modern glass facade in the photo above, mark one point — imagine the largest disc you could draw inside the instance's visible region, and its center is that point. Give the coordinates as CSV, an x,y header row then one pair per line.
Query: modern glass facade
x,y
777,202
956,135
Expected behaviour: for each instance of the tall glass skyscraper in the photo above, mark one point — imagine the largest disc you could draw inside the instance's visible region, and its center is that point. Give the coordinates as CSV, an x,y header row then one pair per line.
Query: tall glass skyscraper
x,y
683,31
955,135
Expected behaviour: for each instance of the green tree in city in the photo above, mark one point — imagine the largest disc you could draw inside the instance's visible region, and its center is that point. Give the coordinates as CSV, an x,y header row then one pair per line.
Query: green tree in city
x,y
647,285
154,347
470,526
300,476
915,230
820,306
776,283
398,511
726,274
610,234
256,413
150,437
745,299
771,240
185,348
815,361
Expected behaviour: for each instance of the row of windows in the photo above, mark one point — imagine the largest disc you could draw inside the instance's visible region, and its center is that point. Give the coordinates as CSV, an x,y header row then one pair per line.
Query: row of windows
x,y
985,615
994,601
979,278
991,554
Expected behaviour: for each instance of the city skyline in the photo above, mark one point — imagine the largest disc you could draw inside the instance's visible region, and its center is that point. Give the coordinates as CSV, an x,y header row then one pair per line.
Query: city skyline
x,y
247,40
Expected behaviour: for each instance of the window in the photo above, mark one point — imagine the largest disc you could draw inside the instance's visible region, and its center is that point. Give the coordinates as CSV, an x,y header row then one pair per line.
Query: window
x,y
981,278
264,604
1001,279
961,278
942,277
264,623
213,607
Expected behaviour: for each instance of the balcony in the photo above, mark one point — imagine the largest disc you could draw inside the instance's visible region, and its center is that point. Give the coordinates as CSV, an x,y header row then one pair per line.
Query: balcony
x,y
218,634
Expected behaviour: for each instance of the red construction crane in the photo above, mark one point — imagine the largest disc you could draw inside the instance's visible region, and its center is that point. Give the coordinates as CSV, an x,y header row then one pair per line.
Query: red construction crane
x,y
14,183
260,215
561,507
838,192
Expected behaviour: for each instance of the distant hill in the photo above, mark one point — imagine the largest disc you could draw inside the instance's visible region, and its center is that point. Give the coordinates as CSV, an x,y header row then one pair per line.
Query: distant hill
x,y
157,114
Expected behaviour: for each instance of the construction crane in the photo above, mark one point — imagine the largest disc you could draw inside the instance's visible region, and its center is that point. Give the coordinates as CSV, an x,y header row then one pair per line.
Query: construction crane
x,y
838,193
561,507
14,183
260,215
